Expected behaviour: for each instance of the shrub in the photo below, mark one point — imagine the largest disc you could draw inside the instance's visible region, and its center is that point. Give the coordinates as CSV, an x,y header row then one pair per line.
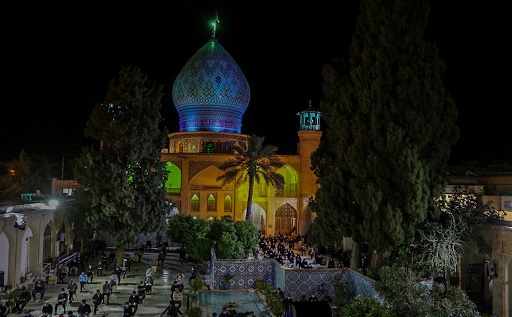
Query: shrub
x,y
365,306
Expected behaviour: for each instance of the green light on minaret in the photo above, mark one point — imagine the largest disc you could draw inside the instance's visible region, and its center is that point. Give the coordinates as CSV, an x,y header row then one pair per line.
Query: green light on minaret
x,y
214,27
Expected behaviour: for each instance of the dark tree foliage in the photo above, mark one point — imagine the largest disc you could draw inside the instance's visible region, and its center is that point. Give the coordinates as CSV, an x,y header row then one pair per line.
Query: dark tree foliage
x,y
186,230
390,126
254,162
26,175
122,180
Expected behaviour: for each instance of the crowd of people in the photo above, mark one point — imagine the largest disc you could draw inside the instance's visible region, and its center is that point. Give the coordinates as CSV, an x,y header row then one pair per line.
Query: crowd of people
x,y
65,274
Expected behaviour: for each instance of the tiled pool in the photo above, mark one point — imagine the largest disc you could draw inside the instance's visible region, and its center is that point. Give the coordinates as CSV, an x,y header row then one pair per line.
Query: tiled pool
x,y
213,301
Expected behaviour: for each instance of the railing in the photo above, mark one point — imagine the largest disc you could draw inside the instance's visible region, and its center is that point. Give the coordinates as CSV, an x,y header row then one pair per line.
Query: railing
x,y
173,191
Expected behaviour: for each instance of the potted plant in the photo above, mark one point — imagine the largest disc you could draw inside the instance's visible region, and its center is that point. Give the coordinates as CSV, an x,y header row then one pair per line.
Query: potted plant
x,y
227,280
196,285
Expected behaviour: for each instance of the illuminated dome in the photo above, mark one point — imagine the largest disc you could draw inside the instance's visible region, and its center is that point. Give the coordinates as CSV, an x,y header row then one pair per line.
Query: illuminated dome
x,y
211,93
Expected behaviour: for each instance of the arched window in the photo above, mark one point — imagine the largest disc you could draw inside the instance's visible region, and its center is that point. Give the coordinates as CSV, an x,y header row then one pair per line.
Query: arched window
x,y
228,204
194,204
212,203
180,147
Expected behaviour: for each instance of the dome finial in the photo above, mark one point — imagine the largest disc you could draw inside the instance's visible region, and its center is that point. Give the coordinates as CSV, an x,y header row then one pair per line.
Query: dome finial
x,y
310,103
214,23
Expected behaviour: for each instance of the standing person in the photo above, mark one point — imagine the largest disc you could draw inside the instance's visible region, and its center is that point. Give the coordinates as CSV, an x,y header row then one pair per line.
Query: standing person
x,y
90,274
311,253
302,249
113,281
161,258
134,301
47,309
23,299
39,288
72,287
83,279
127,310
84,310
193,275
118,272
62,299
96,300
107,289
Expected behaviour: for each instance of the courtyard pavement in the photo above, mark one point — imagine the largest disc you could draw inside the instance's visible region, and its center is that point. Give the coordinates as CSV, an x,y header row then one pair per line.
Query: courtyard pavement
x,y
154,304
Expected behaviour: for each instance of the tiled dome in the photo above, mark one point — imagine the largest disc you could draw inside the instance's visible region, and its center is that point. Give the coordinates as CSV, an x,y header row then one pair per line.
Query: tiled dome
x,y
211,93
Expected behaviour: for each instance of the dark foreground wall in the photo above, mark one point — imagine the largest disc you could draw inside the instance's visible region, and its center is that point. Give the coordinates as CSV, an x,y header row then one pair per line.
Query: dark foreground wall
x,y
308,309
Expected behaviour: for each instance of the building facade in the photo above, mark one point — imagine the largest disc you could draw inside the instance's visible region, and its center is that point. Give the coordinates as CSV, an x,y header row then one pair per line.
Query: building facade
x,y
211,95
32,236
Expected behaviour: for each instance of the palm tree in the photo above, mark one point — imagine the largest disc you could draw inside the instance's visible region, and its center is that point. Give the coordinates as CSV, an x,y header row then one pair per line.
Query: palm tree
x,y
253,162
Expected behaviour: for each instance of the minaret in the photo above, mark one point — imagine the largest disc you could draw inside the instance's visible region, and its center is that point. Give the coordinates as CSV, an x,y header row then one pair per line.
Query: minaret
x,y
309,140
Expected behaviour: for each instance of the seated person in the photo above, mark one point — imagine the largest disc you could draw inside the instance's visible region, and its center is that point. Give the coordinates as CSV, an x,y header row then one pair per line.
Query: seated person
x,y
141,291
22,300
63,273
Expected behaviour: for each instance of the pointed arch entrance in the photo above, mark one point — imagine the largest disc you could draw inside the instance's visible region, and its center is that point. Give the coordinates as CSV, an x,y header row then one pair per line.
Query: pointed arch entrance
x,y
258,217
286,219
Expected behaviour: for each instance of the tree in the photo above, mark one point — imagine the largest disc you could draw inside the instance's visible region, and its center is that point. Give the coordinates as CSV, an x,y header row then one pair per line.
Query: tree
x,y
186,230
232,239
247,234
26,174
442,243
253,162
390,125
122,179
402,290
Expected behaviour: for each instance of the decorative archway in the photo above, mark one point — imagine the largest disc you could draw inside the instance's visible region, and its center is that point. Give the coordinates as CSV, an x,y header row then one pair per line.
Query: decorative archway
x,y
286,219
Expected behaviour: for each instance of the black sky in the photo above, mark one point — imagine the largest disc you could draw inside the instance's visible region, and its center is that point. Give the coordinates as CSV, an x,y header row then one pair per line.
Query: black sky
x,y
58,60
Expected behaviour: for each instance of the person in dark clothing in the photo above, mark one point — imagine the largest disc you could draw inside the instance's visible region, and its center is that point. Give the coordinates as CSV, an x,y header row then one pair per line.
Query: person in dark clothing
x,y
127,310
47,309
84,310
161,258
23,299
224,312
107,289
330,265
172,310
97,298
62,299
39,288
134,301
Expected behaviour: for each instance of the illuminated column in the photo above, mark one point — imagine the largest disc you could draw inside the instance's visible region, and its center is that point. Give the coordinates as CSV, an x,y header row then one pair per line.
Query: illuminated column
x,y
309,139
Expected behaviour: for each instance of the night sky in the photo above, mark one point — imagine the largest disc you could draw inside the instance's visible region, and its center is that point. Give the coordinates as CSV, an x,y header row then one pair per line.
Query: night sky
x,y
58,61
